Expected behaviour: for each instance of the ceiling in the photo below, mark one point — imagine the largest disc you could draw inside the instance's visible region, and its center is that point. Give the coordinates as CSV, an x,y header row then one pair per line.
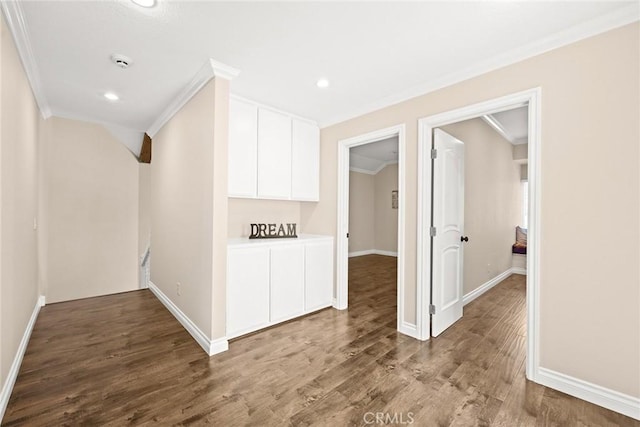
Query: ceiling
x,y
373,157
373,53
513,124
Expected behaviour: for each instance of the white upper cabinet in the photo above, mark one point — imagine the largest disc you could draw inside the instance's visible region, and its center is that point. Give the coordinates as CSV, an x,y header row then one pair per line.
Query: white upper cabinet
x,y
274,155
305,167
243,149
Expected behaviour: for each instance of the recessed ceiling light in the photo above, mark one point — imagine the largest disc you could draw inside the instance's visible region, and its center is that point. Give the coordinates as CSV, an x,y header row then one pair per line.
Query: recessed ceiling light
x,y
145,3
111,96
323,83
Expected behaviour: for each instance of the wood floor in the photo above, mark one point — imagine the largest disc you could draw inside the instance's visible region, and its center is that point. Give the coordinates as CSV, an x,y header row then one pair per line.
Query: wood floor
x,y
124,360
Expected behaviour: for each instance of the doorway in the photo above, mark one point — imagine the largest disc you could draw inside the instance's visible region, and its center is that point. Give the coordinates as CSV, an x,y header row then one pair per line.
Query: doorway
x,y
342,242
426,127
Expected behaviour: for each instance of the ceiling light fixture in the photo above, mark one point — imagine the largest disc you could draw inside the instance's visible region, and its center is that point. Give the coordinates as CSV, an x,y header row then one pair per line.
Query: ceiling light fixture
x,y
322,83
111,96
145,3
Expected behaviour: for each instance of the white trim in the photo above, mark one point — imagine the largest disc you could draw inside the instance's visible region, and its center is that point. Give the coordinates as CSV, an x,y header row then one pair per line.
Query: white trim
x,y
7,387
423,275
466,299
598,395
610,21
497,126
362,253
409,329
17,24
342,244
272,109
372,252
366,171
518,270
211,347
373,172
208,71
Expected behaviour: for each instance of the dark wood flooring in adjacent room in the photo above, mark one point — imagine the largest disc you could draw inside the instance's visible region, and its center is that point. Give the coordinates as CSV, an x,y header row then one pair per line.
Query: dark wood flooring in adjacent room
x,y
123,359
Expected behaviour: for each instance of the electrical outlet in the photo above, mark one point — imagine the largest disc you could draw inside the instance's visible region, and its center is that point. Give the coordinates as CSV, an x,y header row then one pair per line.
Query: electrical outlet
x,y
178,286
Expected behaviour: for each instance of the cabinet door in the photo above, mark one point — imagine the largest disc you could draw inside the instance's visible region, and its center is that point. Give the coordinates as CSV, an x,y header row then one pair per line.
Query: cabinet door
x,y
318,275
274,155
287,282
243,149
247,290
305,161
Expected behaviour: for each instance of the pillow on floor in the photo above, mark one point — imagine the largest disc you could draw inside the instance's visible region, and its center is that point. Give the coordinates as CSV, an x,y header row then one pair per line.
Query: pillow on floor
x,y
521,236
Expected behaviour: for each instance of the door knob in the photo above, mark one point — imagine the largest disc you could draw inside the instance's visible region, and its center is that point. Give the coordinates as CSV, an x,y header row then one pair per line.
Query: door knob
x,y
464,239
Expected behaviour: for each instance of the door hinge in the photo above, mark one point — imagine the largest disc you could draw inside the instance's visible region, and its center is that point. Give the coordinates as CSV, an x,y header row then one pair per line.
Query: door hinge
x,y
432,309
434,153
432,231
347,235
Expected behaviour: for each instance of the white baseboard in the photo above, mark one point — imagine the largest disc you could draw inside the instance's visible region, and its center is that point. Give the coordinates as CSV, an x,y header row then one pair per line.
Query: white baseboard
x,y
409,329
516,270
598,395
466,299
373,252
211,347
7,387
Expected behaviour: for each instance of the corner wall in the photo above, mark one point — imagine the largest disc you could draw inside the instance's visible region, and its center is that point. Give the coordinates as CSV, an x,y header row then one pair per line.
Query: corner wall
x,y
188,205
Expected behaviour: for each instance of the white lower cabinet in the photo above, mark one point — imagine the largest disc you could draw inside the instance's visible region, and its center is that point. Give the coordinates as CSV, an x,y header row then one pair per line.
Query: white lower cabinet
x,y
272,281
287,282
248,298
318,274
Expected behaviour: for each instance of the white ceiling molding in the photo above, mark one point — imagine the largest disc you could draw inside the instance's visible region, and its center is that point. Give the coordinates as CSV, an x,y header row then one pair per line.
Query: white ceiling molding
x,y
372,171
129,138
208,71
607,22
15,20
491,121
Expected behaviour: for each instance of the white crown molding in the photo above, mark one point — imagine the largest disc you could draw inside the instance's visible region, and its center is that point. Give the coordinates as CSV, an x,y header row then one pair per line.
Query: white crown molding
x,y
10,381
210,346
598,395
208,71
372,172
610,21
16,22
497,126
270,108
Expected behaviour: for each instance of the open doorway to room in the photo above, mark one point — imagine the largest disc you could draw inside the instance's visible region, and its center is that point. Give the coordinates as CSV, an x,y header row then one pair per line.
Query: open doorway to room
x,y
478,176
480,209
370,245
373,225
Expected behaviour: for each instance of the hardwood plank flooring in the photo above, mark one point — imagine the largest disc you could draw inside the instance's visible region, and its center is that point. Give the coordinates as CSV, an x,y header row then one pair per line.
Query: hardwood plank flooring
x,y
124,360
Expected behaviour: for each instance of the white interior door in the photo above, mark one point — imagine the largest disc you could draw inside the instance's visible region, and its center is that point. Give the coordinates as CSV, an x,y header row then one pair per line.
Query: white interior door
x,y
448,220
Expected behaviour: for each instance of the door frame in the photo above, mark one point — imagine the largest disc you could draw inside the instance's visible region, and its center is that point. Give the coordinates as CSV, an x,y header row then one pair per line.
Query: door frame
x,y
342,242
532,97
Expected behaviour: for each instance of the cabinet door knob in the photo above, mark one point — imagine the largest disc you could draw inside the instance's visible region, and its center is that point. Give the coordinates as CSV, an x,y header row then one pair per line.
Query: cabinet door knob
x,y
464,239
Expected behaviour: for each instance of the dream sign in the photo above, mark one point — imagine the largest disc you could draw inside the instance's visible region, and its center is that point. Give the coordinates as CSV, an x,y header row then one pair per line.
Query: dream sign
x,y
273,231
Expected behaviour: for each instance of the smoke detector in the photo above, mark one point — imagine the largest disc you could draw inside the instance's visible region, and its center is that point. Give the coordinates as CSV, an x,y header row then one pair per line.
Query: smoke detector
x,y
121,61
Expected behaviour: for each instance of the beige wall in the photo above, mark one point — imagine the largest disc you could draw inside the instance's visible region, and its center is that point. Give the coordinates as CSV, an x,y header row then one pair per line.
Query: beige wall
x,y
91,212
492,201
189,210
590,97
144,209
243,212
19,122
524,172
386,218
361,212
